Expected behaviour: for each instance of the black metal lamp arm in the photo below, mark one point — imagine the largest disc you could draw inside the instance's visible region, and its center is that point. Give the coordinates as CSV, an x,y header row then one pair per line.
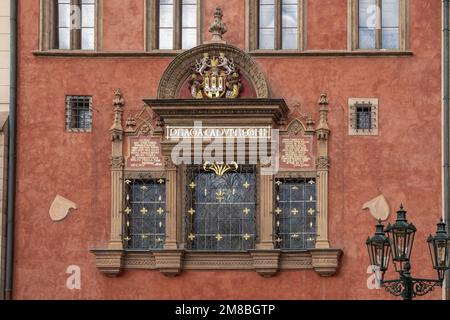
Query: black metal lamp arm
x,y
409,288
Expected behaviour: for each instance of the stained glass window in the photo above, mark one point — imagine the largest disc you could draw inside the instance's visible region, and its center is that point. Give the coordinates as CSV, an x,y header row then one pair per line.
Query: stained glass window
x,y
145,214
221,209
295,213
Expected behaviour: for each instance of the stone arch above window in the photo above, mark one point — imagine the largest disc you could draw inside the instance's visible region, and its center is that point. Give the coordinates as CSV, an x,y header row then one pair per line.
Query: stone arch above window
x,y
178,72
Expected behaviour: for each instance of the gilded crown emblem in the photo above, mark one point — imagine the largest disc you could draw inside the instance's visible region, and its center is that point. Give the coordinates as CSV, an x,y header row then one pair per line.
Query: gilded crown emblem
x,y
215,77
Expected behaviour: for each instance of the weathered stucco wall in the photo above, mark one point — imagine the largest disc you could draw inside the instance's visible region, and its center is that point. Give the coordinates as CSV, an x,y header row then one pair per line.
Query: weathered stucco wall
x,y
403,162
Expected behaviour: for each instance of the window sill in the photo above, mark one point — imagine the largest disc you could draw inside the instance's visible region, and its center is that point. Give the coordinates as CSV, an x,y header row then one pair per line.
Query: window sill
x,y
331,53
79,130
256,53
171,262
106,54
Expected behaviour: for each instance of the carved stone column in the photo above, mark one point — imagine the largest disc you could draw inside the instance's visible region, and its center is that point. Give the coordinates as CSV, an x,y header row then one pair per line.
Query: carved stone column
x,y
169,261
265,213
171,216
265,258
323,133
117,166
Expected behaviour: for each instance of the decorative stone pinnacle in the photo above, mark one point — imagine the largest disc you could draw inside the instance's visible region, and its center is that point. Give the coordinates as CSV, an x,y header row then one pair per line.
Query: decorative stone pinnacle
x,y
218,28
323,99
323,122
118,98
117,129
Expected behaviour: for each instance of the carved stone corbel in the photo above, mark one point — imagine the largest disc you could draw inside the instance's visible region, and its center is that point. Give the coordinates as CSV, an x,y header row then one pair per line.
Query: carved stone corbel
x,y
266,262
110,262
326,261
169,262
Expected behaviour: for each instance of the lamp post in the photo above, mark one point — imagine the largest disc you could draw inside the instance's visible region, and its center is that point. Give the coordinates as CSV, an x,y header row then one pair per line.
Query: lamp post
x,y
396,242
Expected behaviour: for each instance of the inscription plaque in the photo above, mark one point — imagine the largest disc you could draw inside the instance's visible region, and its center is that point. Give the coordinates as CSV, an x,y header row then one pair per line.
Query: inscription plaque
x,y
297,153
145,152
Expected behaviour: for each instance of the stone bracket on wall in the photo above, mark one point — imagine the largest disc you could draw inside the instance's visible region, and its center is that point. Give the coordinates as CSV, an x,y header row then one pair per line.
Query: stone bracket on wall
x,y
172,262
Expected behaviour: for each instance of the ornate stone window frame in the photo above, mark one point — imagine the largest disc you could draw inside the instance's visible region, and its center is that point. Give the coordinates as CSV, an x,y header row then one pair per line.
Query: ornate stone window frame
x,y
48,27
151,21
353,27
252,27
352,117
172,111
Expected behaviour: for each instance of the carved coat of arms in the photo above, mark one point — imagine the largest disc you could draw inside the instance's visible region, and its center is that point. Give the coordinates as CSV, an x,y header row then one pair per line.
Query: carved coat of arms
x,y
215,77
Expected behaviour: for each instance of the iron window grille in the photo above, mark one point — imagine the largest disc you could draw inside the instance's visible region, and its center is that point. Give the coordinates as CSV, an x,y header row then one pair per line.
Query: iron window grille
x,y
221,209
295,213
78,113
363,118
144,214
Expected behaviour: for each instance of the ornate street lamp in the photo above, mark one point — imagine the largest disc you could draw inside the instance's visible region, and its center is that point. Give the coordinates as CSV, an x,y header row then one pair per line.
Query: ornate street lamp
x,y
379,249
439,250
396,242
401,236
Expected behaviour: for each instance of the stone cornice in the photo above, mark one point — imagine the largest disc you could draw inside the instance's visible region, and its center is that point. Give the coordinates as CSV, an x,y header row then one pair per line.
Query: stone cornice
x,y
172,262
276,109
256,54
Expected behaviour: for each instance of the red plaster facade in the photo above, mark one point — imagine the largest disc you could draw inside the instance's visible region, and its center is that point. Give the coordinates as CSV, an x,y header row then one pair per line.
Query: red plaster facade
x,y
403,162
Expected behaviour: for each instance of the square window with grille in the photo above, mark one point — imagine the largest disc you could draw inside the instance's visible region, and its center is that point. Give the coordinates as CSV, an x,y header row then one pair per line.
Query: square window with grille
x,y
145,214
79,113
363,117
295,213
221,209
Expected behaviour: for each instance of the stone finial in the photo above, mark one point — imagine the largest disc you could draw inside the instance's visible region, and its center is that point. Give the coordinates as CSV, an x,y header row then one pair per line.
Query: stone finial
x,y
323,99
118,98
323,129
218,28
117,129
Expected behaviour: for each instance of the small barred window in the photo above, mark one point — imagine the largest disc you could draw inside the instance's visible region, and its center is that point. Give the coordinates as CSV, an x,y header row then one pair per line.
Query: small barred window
x,y
363,117
145,214
295,213
78,113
